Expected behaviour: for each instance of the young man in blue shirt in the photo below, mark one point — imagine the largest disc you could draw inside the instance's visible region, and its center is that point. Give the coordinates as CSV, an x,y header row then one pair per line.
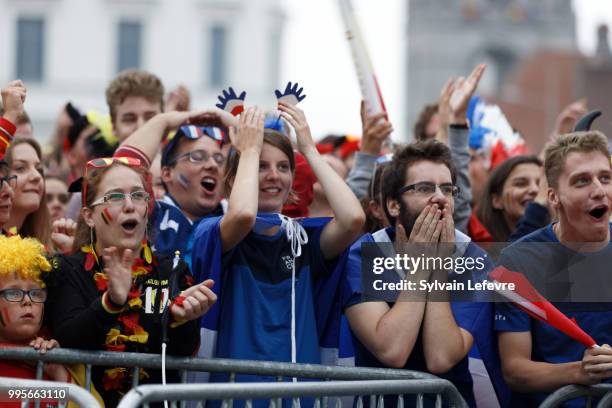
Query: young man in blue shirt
x,y
536,358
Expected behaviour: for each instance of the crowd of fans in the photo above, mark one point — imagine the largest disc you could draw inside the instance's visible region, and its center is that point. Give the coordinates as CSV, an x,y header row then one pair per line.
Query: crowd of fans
x,y
229,232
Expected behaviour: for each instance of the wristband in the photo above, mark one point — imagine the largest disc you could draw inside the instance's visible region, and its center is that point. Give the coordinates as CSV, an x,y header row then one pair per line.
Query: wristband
x,y
110,306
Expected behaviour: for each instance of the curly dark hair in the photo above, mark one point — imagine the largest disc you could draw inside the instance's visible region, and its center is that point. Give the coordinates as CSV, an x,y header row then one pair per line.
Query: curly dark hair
x,y
394,175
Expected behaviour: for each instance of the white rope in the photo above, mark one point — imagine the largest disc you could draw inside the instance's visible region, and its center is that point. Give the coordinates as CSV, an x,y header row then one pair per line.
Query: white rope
x,y
164,369
175,261
297,236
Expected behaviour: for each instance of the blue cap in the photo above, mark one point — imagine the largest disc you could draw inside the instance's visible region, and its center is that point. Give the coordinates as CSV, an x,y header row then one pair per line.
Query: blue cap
x,y
191,132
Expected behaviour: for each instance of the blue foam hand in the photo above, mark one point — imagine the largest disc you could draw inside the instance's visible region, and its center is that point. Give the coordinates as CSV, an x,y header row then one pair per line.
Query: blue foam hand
x,y
231,102
292,95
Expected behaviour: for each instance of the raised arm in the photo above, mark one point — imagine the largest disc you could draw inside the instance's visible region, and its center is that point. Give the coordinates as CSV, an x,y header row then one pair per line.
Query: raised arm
x,y
243,199
13,98
458,136
348,215
375,130
145,143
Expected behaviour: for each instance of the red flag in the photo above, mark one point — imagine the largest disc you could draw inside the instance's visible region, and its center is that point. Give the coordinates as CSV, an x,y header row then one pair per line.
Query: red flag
x,y
528,299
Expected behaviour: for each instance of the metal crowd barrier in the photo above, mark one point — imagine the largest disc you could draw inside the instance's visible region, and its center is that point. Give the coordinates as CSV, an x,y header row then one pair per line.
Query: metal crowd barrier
x,y
570,392
72,392
293,391
280,371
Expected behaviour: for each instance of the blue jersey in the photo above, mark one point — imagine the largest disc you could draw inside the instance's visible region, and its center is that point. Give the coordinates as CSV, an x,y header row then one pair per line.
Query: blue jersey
x,y
548,344
174,230
475,317
252,317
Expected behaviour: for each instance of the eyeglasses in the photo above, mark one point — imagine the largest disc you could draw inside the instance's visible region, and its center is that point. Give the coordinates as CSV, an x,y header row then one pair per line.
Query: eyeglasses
x,y
118,198
63,198
11,181
199,156
17,295
103,162
427,188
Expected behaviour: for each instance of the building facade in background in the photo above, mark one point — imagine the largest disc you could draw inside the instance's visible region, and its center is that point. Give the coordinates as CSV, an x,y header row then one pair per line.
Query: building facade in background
x,y
447,38
68,50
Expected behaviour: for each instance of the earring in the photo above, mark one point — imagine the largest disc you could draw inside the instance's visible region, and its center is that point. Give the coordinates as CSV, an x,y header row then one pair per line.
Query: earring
x,y
146,251
91,257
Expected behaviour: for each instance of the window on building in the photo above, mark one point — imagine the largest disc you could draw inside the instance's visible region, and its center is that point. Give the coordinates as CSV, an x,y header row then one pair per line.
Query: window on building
x,y
129,47
30,48
218,55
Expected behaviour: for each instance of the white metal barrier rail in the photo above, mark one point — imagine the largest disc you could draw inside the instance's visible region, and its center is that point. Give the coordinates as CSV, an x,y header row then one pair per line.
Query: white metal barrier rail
x,y
12,389
570,392
293,391
184,364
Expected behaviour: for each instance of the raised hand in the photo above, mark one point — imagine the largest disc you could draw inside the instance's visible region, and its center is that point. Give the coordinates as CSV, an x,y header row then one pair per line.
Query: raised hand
x,y
444,112
462,92
196,301
211,117
568,117
178,100
13,98
119,272
249,132
292,95
375,130
62,234
296,118
230,102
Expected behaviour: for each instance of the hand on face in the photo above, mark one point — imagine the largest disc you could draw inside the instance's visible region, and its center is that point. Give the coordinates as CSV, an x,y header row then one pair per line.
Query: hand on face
x,y
197,300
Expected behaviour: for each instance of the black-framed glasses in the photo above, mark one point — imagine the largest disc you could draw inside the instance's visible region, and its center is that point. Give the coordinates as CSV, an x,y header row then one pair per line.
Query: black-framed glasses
x,y
200,156
427,188
17,295
118,198
11,181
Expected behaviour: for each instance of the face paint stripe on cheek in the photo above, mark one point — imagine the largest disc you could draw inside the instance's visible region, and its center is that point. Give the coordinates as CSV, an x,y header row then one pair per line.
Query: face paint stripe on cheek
x,y
184,181
106,216
4,317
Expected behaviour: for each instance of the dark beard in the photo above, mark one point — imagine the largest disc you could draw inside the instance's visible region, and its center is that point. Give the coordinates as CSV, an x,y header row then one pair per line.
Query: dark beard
x,y
406,217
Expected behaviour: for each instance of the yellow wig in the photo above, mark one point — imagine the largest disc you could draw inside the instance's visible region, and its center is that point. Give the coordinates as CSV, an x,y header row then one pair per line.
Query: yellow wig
x,y
24,257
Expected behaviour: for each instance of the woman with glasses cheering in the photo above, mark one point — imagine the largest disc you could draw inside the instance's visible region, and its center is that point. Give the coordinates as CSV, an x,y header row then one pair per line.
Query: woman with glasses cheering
x,y
115,294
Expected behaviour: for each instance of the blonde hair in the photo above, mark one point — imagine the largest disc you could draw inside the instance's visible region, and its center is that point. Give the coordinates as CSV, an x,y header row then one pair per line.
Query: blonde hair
x,y
556,152
23,257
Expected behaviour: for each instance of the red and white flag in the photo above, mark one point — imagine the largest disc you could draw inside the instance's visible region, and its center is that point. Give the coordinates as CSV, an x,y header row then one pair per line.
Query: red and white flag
x,y
528,299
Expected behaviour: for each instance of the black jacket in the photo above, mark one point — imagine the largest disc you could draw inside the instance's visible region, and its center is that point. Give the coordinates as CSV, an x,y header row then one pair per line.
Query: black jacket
x,y
77,319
